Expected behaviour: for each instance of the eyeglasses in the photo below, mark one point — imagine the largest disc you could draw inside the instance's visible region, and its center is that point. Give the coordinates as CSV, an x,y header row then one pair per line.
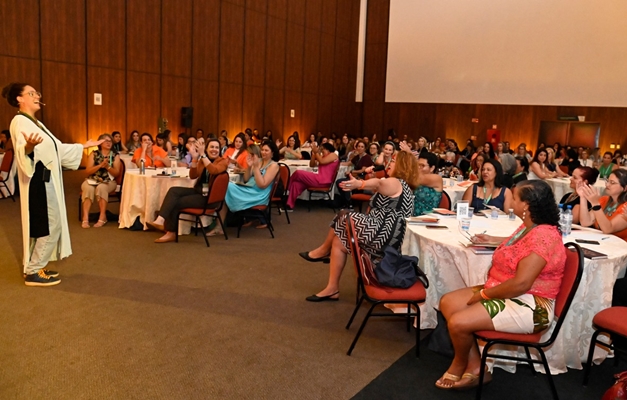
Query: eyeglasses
x,y
612,183
33,93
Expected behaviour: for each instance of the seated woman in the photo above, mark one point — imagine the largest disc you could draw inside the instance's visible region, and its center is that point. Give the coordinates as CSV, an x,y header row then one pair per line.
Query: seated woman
x,y
571,162
489,191
489,151
607,166
311,141
237,155
6,144
585,160
581,176
383,226
224,144
153,156
373,152
606,211
475,166
429,191
522,168
360,162
103,166
553,166
181,145
204,166
327,162
519,295
187,152
256,182
539,166
386,158
292,150
134,142
118,146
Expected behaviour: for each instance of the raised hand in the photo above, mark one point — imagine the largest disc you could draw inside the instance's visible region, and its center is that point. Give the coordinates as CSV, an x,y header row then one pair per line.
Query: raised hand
x,y
31,141
279,142
404,146
92,143
350,184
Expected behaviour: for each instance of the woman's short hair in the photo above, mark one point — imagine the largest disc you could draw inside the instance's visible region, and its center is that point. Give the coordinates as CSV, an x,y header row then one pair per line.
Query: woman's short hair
x,y
146,134
431,158
498,179
589,174
6,133
328,146
273,149
541,201
12,91
104,136
406,168
524,163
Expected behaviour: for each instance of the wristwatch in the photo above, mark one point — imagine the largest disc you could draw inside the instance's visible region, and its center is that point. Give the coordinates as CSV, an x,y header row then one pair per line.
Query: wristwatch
x,y
596,208
201,157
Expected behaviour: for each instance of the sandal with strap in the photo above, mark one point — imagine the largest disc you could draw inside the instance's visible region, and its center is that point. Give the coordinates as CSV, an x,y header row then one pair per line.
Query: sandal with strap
x,y
450,377
100,223
85,224
472,381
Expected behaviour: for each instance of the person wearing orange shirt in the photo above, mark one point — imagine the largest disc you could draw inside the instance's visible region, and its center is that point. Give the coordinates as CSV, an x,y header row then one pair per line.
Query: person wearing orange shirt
x,y
237,154
153,156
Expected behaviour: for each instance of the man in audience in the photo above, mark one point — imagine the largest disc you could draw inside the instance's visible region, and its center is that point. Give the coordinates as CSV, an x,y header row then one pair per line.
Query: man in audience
x,y
153,156
522,168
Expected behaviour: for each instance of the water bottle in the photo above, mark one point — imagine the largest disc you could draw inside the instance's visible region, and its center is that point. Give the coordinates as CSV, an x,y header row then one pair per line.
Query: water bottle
x,y
562,227
142,167
178,157
512,216
568,221
494,214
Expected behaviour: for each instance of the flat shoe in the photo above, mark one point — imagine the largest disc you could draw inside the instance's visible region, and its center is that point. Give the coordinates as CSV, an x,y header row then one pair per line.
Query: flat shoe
x,y
85,224
264,226
156,227
305,255
100,223
317,299
473,381
161,240
450,377
215,233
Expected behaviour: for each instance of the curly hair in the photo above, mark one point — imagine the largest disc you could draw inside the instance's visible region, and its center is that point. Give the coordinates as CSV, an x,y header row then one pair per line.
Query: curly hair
x,y
406,168
541,201
12,91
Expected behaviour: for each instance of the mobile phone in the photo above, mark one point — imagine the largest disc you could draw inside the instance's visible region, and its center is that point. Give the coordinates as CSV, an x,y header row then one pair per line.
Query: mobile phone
x,y
436,227
584,241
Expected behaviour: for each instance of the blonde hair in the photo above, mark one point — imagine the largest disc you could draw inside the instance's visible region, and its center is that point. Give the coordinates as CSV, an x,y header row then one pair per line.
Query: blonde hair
x,y
406,168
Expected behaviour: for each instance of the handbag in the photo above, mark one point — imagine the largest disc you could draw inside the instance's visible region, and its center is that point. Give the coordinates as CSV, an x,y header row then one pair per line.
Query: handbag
x,y
396,270
619,389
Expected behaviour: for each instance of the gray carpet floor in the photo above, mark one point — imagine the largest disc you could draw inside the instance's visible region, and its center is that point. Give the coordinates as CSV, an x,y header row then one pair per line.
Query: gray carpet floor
x,y
137,320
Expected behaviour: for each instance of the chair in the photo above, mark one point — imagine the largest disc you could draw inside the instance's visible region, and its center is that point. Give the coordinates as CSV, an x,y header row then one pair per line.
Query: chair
x,y
7,164
114,197
379,295
260,211
445,201
279,198
215,202
324,190
612,321
570,282
564,168
362,198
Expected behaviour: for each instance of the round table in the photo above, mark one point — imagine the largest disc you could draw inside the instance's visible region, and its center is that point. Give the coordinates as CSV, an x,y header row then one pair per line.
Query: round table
x,y
456,190
561,186
450,266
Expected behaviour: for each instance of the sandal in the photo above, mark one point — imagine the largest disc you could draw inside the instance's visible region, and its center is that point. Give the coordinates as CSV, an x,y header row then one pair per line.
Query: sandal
x,y
453,378
100,223
215,232
85,224
264,226
472,381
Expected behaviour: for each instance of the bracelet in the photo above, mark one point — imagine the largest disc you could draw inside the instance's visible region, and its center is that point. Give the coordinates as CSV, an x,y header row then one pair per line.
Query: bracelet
x,y
483,295
363,184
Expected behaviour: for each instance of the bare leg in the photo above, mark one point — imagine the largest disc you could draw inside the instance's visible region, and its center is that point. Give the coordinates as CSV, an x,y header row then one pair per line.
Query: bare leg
x,y
338,261
325,248
159,221
102,204
168,237
86,207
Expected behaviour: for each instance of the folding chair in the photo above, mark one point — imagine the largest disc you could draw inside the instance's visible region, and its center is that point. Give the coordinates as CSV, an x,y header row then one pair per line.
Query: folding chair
x,y
612,321
324,190
279,198
7,164
259,211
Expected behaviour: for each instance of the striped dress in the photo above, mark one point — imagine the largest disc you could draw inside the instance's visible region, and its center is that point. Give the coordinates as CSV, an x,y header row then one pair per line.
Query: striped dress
x,y
384,225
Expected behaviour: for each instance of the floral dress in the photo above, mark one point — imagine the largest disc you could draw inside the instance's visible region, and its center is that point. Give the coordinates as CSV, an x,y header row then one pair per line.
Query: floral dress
x,y
427,198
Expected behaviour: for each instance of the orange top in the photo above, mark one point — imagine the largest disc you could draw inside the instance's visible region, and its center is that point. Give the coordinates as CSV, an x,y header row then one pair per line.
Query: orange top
x,y
616,214
156,152
241,157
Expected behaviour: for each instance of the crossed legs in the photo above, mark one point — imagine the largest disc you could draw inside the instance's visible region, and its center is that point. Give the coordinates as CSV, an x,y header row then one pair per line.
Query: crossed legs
x,y
332,246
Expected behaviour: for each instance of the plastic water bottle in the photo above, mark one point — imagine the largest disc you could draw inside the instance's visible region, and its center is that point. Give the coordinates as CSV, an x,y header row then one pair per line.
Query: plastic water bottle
x,y
562,227
568,221
494,214
142,167
512,216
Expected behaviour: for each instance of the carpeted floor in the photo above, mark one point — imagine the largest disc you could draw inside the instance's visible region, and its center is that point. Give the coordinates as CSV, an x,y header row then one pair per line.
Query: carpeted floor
x,y
137,320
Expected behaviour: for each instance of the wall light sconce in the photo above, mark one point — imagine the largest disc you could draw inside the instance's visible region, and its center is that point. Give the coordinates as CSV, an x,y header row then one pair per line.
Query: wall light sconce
x,y
618,147
612,146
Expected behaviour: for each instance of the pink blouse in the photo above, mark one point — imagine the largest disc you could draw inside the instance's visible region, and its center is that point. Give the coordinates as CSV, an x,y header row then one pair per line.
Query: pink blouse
x,y
545,241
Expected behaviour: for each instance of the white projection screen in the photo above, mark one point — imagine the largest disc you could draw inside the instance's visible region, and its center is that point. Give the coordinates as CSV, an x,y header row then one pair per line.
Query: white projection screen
x,y
532,52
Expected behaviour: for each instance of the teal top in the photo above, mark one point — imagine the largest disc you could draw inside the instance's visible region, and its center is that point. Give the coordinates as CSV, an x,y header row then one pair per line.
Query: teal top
x,y
427,198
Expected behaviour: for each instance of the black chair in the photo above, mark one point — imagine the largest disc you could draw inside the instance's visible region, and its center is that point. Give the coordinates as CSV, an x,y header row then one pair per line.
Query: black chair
x,y
259,211
7,164
279,196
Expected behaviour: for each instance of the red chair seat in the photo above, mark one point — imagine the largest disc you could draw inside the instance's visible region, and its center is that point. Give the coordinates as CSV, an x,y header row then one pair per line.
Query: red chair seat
x,y
491,335
613,319
361,197
416,292
319,189
198,211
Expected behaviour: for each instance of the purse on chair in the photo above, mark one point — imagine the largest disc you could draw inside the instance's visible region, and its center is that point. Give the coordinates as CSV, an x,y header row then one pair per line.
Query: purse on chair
x,y
396,270
618,391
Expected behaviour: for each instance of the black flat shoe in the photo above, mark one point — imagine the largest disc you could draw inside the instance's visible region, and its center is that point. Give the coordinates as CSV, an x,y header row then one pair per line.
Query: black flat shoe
x,y
317,299
305,255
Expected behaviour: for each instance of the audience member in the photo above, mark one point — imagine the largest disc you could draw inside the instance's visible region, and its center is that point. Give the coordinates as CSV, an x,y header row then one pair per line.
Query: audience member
x,y
152,155
606,211
327,162
134,142
581,176
492,191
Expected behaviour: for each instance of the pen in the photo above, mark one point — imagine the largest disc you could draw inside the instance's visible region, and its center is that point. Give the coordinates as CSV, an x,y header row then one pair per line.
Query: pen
x,y
603,238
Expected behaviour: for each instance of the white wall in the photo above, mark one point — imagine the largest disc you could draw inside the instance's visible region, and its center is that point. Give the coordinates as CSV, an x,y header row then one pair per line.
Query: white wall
x,y
536,52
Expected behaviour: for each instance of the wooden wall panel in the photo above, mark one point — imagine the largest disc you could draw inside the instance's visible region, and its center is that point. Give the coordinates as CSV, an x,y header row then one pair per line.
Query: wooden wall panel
x,y
231,43
206,42
376,59
16,39
277,8
325,113
329,15
313,14
275,53
143,40
230,107
240,3
296,12
327,51
344,10
205,103
294,57
273,114
378,22
257,5
175,94
309,114
391,115
253,107
255,48
111,115
340,108
373,118
293,101
65,109
63,30
341,68
15,69
106,33
311,62
176,46
143,102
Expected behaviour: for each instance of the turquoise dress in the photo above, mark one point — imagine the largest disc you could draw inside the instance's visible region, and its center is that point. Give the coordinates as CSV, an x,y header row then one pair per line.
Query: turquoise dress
x,y
245,196
427,198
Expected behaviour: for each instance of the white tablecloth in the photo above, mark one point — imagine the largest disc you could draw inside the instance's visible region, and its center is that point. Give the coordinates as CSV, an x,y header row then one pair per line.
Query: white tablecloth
x,y
126,159
8,177
455,192
561,186
142,196
296,165
451,266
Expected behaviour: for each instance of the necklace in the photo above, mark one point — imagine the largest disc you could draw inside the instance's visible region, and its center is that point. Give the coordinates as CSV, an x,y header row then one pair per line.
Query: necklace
x,y
519,235
609,210
605,171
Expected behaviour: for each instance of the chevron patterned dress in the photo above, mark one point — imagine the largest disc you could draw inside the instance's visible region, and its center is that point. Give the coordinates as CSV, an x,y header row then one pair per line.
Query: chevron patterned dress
x,y
384,225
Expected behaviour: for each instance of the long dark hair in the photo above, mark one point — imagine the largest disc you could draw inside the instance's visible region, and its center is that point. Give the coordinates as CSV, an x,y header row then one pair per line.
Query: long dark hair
x,y
273,148
244,143
541,201
498,179
535,158
621,175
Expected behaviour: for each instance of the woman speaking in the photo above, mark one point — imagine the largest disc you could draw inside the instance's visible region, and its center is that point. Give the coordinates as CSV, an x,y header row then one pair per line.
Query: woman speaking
x,y
40,157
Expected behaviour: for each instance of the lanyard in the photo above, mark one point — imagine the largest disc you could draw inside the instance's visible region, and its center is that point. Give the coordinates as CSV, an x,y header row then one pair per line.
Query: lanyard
x,y
487,200
519,235
40,126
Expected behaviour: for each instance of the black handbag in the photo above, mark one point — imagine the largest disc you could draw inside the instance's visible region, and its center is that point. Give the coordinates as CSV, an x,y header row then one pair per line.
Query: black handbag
x,y
396,270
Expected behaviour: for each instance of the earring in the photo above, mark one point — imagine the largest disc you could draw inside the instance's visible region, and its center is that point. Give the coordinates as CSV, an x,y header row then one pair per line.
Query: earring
x,y
524,214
